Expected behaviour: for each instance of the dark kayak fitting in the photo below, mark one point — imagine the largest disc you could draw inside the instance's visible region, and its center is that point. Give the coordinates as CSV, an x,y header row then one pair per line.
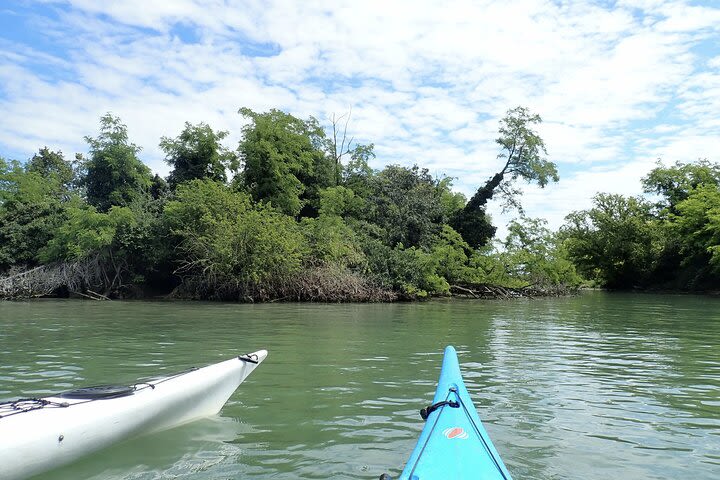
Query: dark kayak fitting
x,y
453,443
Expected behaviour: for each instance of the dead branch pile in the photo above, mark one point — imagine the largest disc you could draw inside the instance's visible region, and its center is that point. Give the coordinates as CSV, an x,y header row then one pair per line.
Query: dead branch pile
x,y
85,277
328,284
485,291
317,284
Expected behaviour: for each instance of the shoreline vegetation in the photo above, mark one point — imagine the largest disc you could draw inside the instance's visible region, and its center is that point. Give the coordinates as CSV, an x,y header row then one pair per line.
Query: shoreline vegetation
x,y
74,280
296,213
320,286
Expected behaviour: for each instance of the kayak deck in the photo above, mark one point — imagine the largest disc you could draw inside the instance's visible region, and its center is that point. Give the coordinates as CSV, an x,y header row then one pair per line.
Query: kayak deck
x,y
453,443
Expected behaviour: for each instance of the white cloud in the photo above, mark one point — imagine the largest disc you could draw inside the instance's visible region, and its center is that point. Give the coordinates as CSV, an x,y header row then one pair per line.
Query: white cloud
x,y
685,18
426,82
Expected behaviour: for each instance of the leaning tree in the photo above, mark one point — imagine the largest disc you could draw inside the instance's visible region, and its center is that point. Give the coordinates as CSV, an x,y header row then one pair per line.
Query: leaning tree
x,y
523,155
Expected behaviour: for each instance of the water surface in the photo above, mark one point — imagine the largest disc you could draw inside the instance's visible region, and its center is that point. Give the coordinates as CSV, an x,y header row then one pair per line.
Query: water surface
x,y
595,387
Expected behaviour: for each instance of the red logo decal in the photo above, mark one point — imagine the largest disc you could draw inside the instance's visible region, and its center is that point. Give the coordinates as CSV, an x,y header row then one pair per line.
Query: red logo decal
x,y
455,432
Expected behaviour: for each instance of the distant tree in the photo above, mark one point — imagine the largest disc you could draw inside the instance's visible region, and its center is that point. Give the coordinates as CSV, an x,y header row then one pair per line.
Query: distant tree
x,y
339,144
285,161
198,153
675,183
114,175
696,228
616,242
533,253
522,151
408,204
686,210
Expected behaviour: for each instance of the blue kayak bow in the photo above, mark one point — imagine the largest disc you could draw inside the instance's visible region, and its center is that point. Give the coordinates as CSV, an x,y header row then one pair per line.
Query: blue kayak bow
x,y
453,443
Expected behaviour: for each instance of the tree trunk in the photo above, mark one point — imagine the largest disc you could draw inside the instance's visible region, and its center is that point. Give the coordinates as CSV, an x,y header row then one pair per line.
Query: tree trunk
x,y
485,192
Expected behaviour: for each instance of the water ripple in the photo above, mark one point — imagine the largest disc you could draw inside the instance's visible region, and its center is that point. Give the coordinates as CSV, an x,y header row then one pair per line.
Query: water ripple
x,y
590,387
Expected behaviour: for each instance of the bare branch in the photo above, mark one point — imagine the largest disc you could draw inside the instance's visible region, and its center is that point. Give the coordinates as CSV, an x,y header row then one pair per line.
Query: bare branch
x,y
344,148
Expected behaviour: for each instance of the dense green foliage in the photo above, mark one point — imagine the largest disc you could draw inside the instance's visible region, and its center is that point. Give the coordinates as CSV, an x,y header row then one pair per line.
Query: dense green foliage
x,y
296,220
615,242
224,237
33,202
408,205
626,242
284,161
537,255
696,231
52,165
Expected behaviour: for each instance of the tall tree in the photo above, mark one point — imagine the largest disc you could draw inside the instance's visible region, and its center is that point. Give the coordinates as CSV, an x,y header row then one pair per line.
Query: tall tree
x,y
522,152
114,175
284,161
197,153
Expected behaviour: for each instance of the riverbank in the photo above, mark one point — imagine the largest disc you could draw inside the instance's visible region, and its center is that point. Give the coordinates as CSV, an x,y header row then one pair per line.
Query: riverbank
x,y
89,280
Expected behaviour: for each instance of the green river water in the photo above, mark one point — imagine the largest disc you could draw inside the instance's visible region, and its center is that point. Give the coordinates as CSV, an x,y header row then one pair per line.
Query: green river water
x,y
596,386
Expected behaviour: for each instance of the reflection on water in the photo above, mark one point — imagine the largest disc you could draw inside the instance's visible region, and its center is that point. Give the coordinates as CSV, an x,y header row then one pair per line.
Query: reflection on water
x,y
591,387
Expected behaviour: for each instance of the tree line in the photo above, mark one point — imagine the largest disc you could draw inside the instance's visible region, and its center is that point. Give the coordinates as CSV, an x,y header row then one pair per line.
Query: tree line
x,y
294,212
669,240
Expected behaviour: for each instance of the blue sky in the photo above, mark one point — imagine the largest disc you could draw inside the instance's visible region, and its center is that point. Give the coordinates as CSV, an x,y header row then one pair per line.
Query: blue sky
x,y
619,84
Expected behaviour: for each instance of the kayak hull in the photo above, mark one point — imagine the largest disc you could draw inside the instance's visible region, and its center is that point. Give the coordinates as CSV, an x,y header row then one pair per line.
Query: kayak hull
x,y
453,443
65,429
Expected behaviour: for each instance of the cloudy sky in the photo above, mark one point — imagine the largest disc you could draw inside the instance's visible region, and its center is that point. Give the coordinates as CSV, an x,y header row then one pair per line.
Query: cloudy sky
x,y
618,84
